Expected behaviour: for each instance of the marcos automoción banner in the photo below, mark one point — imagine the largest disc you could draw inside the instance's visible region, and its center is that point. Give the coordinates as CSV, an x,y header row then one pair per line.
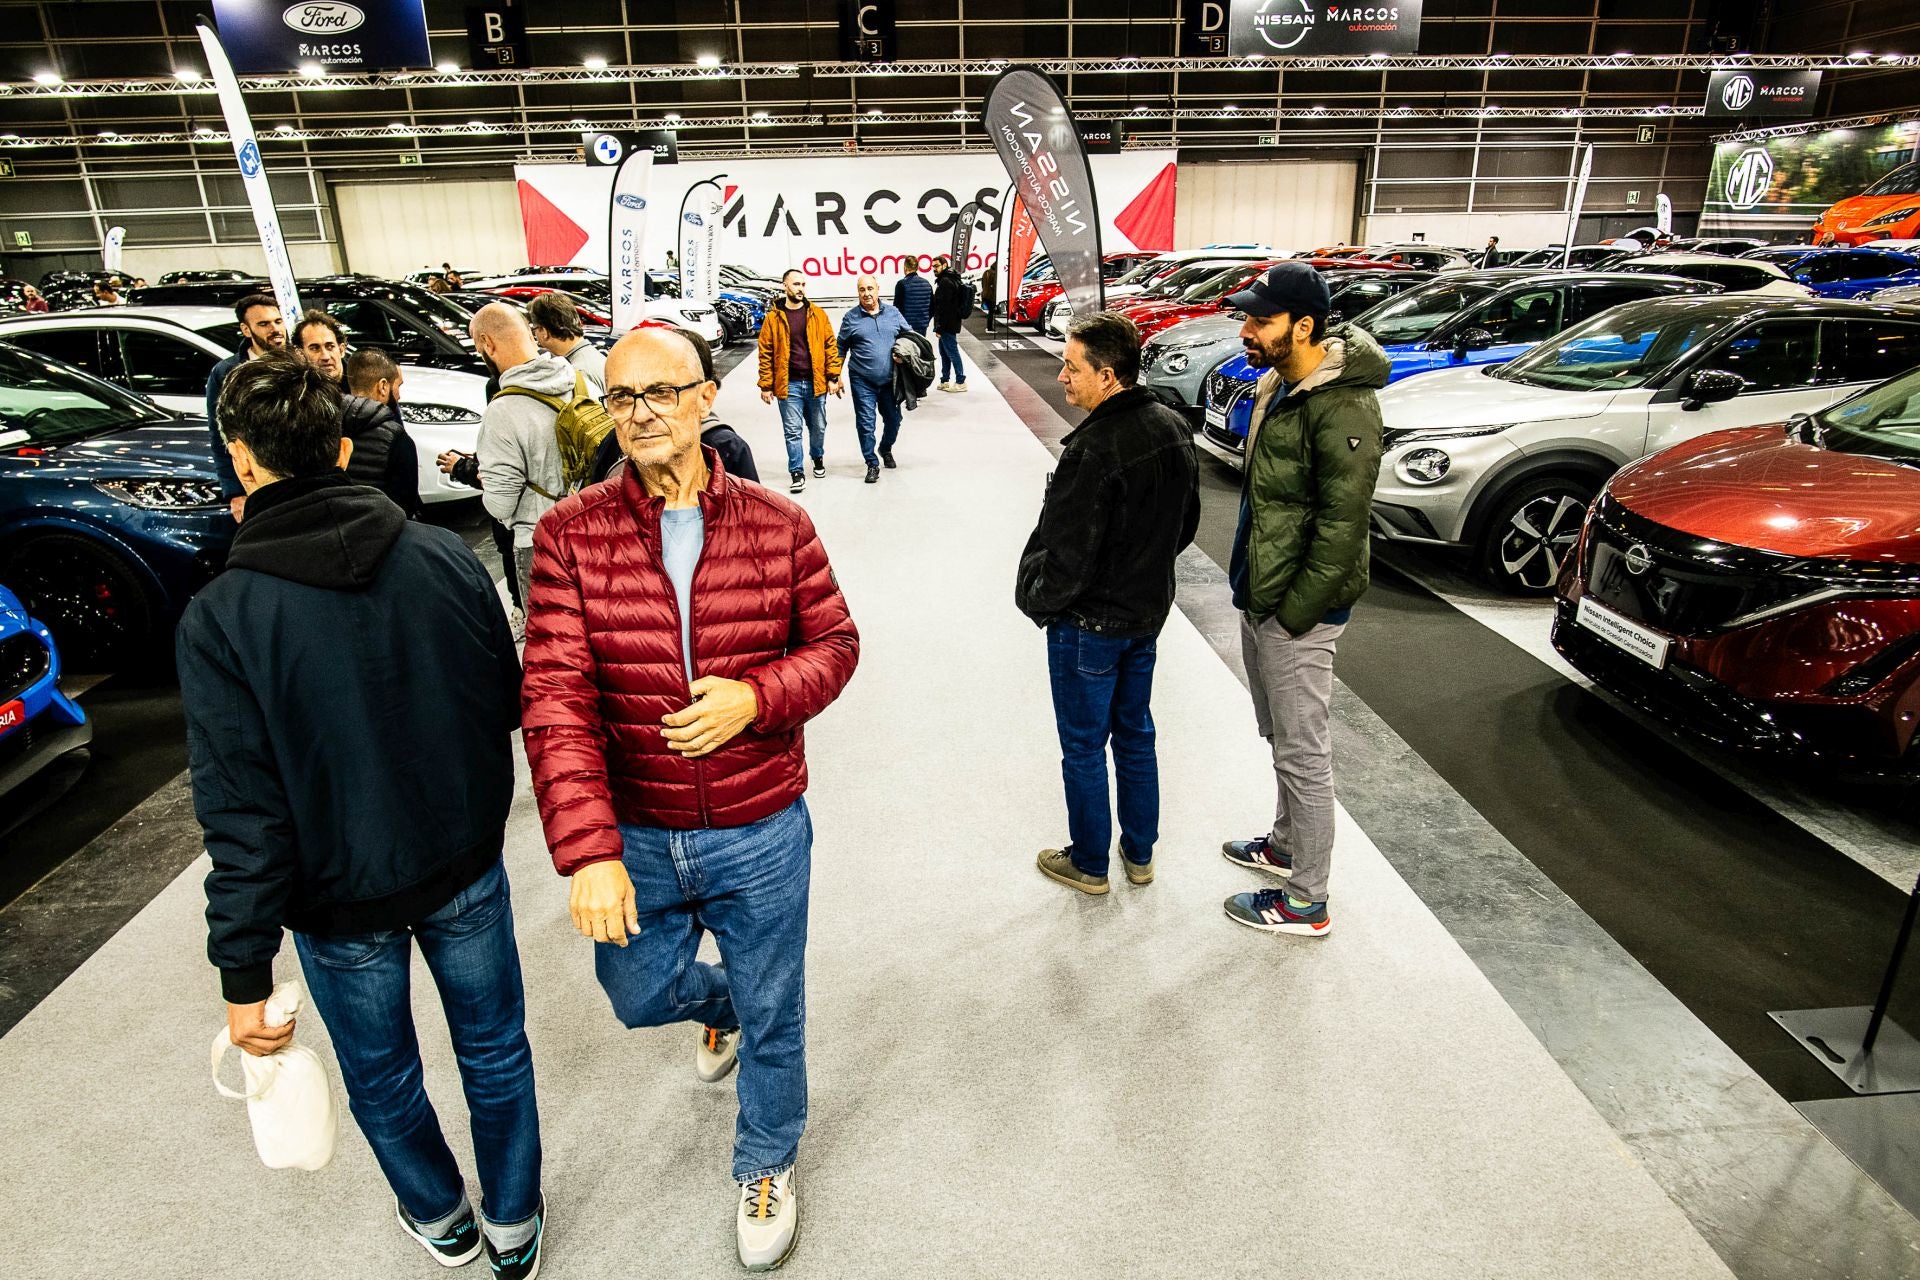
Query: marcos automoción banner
x,y
627,239
1038,142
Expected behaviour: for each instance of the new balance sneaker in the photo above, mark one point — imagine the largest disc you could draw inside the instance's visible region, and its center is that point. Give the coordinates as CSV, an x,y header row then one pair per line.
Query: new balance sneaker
x,y
717,1053
796,481
523,1261
456,1246
819,468
1057,865
768,1222
1273,911
1259,854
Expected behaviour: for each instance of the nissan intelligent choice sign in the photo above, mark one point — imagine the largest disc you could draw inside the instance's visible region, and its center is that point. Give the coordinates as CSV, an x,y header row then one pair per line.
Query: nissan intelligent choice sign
x,y
275,37
1299,28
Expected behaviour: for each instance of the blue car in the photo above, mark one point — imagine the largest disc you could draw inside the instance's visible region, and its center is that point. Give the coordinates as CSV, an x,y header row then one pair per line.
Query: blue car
x,y
38,723
1458,319
1852,273
755,308
110,510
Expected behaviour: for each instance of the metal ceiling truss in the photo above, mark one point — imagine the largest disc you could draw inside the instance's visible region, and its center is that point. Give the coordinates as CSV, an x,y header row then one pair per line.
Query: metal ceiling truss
x,y
1816,126
970,66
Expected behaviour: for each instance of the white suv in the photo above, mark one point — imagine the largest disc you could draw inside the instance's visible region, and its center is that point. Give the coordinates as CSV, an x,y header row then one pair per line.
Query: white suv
x,y
166,354
1501,461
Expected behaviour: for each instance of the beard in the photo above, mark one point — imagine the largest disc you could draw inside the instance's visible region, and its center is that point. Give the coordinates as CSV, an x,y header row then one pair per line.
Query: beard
x,y
1271,355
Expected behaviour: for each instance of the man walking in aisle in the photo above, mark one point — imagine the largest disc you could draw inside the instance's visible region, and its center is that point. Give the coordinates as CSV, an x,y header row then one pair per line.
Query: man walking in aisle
x,y
261,330
555,324
683,628
913,296
351,694
1123,502
867,334
952,300
1299,563
799,368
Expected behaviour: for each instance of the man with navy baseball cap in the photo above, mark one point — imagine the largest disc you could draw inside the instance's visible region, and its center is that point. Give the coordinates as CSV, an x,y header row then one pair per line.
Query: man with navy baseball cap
x,y
1299,564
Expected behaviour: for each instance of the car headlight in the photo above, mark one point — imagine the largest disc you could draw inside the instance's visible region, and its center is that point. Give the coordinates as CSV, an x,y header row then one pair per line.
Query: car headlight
x,y
438,414
696,313
1394,438
1888,219
1424,466
1178,362
164,495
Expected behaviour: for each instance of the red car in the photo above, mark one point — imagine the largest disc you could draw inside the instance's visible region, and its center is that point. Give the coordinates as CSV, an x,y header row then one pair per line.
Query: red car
x,y
1761,587
526,293
1030,301
1151,316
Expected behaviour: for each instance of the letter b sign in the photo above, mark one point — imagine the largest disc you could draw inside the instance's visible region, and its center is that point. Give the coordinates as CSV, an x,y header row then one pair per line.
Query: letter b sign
x,y
497,36
496,28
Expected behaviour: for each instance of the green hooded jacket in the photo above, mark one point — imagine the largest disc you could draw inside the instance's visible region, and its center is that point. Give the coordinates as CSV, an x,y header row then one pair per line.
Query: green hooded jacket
x,y
1312,458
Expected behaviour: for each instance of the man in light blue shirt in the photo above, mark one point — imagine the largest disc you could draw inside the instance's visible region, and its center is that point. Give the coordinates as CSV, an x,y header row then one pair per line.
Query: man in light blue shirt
x,y
867,335
683,532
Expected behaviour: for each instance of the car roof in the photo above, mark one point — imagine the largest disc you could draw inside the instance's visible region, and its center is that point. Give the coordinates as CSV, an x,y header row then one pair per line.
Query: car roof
x,y
184,316
1640,263
1737,305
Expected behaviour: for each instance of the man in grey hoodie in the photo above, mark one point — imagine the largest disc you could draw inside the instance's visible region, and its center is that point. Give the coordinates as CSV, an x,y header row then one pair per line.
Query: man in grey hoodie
x,y
518,451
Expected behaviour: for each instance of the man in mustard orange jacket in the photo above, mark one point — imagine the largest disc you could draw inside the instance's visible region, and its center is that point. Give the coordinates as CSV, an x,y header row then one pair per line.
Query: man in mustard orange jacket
x,y
799,367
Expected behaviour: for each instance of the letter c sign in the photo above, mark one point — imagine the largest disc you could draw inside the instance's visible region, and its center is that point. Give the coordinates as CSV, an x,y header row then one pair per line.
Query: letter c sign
x,y
863,19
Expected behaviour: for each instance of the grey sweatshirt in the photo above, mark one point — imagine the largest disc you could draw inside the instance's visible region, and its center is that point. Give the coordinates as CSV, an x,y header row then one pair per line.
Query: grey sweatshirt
x,y
517,445
591,361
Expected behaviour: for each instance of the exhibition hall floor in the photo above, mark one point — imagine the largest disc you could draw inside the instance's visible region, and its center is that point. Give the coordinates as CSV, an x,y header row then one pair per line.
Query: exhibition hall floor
x,y
1469,1077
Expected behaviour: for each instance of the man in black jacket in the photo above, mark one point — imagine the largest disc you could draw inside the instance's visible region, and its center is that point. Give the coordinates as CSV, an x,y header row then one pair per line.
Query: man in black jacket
x,y
383,453
351,694
262,329
1122,503
952,300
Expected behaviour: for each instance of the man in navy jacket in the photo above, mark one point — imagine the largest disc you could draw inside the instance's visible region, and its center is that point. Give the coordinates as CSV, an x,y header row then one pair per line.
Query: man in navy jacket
x,y
261,330
913,297
351,693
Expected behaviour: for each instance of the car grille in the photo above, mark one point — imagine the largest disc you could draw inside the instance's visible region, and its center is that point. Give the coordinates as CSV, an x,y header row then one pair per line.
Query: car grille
x,y
16,744
23,662
1150,356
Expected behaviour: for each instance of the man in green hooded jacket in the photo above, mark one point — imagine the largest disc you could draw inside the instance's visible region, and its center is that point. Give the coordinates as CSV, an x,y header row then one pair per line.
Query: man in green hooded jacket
x,y
1299,564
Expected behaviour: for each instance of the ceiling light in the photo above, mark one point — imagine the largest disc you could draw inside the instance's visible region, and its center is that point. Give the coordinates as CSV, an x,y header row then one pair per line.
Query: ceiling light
x,y
395,125
578,120
447,69
875,111
108,133
204,131
595,63
708,60
283,128
187,75
312,70
48,77
1862,54
673,115
787,68
476,124
759,115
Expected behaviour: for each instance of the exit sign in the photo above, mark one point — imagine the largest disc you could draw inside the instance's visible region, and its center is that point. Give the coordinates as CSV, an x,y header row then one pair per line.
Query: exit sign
x,y
1633,197
6,167
1269,139
23,239
409,157
1645,134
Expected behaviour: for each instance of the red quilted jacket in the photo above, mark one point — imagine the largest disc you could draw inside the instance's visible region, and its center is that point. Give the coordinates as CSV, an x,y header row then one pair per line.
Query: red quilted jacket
x,y
603,661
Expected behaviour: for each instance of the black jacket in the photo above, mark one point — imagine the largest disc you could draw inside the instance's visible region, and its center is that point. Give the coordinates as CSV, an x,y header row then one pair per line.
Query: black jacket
x,y
383,453
1122,503
736,455
952,300
351,692
230,486
913,298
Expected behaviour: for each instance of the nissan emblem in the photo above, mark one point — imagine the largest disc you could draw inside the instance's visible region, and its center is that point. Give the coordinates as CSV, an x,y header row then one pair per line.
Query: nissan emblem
x,y
1639,559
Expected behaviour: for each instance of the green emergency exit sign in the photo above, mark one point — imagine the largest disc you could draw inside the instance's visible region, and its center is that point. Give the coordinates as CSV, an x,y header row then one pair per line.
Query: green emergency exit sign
x,y
6,167
23,239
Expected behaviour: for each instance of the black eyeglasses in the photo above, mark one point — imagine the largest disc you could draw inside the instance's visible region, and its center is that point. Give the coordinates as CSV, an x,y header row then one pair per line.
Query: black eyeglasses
x,y
660,398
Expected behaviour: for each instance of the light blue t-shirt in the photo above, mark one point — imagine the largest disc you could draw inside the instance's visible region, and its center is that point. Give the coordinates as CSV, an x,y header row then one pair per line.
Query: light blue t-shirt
x,y
683,531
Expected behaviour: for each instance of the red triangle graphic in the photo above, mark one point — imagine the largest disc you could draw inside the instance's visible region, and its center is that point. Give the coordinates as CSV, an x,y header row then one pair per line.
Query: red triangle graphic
x,y
726,196
552,237
1148,219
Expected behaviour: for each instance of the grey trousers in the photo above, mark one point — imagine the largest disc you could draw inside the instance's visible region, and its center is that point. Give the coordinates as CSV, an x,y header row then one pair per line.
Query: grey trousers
x,y
523,570
1291,680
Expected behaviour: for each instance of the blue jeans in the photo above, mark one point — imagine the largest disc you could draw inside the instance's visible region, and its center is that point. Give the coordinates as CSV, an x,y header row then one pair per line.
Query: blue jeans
x,y
360,986
800,404
868,400
748,887
1101,689
951,370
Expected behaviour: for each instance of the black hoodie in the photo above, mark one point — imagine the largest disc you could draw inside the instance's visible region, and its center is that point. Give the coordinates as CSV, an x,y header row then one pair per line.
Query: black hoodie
x,y
351,691
383,453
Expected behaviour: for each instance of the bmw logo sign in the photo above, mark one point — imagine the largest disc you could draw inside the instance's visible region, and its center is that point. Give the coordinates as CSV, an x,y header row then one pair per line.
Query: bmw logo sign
x,y
626,201
249,158
1749,178
607,149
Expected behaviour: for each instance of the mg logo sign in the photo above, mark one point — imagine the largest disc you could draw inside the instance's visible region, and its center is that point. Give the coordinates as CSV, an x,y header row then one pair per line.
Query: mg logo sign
x,y
1737,93
324,17
1283,23
1750,178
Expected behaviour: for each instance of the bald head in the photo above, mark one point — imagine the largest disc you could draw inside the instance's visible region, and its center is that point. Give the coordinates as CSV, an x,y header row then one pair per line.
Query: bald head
x,y
501,334
651,356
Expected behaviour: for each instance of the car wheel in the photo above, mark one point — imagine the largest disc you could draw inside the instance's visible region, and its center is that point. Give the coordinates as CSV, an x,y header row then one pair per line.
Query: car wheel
x,y
1531,531
100,612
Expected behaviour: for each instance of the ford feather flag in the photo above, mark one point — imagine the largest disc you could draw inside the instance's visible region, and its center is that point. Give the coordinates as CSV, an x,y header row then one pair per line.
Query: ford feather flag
x,y
1579,198
699,225
626,239
110,251
1663,214
253,173
275,37
1040,146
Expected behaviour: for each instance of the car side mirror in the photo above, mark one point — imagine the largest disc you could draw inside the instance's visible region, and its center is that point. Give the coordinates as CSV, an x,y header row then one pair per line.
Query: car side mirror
x,y
1804,277
1711,386
1473,340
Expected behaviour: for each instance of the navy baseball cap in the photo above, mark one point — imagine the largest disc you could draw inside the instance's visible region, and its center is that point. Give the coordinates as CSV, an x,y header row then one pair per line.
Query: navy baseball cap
x,y
1292,287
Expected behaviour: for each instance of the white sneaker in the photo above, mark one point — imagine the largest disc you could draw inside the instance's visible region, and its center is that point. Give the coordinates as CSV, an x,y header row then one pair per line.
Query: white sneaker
x,y
959,386
768,1222
946,386
717,1053
517,623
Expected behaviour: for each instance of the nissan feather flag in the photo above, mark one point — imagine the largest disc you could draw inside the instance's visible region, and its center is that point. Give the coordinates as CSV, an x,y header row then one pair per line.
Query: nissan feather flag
x,y
110,251
1663,214
699,227
963,235
253,173
1040,146
1579,199
1019,251
626,239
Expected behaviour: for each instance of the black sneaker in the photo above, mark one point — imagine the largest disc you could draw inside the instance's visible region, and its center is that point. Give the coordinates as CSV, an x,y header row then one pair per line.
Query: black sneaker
x,y
819,468
873,475
888,459
796,481
458,1245
522,1263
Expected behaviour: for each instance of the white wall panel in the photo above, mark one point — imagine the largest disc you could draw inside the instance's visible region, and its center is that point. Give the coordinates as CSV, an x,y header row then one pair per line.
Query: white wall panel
x,y
1470,230
395,228
1288,204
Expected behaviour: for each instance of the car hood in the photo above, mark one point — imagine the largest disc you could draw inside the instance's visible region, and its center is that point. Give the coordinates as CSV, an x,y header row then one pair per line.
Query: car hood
x,y
1756,487
1200,329
13,615
1470,397
1856,210
422,385
179,449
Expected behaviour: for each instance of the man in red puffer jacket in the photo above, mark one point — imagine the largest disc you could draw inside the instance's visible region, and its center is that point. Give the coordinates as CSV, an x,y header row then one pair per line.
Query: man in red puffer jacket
x,y
682,626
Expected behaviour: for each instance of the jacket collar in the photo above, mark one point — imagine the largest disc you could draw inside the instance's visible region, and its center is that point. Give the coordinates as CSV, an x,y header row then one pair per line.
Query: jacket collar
x,y
646,507
1122,401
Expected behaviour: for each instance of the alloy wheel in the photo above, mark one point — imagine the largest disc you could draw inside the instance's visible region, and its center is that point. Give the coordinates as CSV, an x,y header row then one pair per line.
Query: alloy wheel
x,y
1538,539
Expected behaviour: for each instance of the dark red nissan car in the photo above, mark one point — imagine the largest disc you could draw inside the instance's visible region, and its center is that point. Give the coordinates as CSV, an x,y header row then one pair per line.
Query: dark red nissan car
x,y
1761,587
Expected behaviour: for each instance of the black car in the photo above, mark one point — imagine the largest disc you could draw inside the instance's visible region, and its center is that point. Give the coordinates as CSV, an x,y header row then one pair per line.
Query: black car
x,y
409,323
202,277
1359,291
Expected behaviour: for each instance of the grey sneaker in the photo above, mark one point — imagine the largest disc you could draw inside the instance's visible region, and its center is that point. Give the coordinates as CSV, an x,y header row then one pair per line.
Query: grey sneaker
x,y
1138,872
1057,865
717,1054
517,624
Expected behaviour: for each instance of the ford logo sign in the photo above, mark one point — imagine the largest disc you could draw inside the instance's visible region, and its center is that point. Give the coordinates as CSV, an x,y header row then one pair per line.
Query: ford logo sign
x,y
693,219
323,17
630,202
1639,560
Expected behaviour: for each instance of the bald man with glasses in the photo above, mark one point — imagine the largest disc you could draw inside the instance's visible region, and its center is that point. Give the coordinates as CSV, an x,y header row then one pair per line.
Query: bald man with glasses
x,y
683,627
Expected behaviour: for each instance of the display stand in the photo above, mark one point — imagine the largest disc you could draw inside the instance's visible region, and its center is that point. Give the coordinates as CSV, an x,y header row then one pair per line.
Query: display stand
x,y
1869,1053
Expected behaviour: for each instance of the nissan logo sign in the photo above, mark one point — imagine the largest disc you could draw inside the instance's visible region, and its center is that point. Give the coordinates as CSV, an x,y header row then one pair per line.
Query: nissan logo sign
x,y
1750,178
626,201
1283,23
1639,560
323,17
1737,93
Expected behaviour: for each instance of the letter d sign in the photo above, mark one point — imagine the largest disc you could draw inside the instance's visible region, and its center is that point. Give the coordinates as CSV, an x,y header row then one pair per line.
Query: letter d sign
x,y
1213,18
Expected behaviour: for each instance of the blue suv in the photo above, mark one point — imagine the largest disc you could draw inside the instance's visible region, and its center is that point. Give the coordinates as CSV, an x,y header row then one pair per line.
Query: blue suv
x,y
38,723
1851,273
110,510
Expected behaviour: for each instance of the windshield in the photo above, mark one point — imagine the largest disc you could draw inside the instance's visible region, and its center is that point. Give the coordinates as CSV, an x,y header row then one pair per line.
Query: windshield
x,y
1883,422
1140,273
1902,181
51,404
432,308
1216,286
1626,347
1418,312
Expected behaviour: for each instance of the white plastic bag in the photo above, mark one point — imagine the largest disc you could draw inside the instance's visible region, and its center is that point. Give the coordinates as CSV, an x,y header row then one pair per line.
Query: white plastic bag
x,y
289,1094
